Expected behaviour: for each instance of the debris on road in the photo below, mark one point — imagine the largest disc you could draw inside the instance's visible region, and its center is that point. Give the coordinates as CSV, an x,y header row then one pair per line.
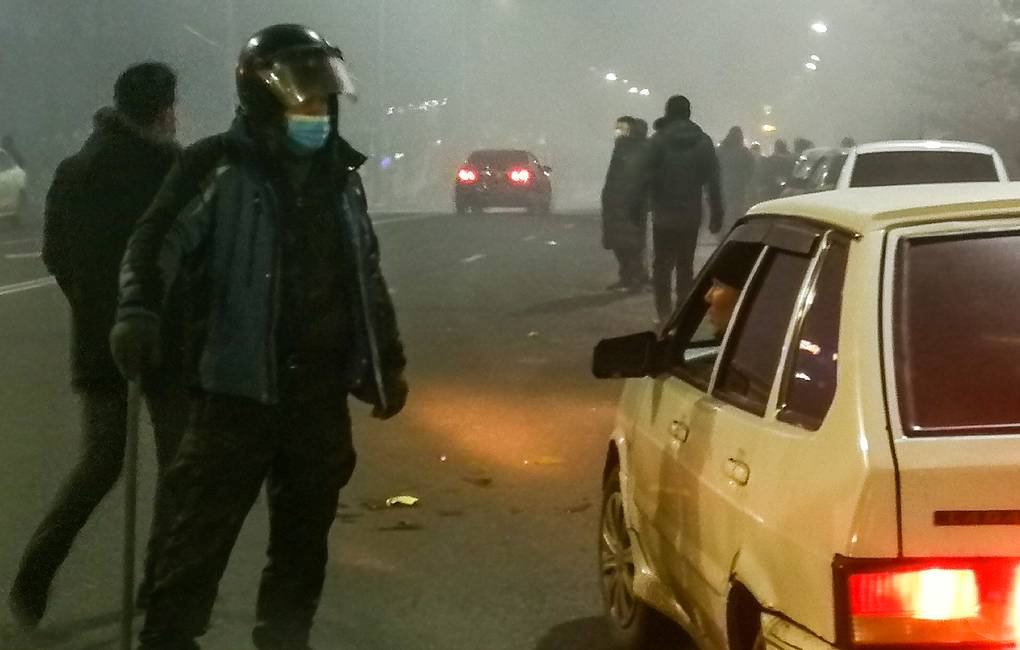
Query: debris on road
x,y
401,526
404,501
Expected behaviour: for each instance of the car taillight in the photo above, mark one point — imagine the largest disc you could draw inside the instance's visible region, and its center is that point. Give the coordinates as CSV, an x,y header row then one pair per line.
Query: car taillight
x,y
467,176
966,602
520,176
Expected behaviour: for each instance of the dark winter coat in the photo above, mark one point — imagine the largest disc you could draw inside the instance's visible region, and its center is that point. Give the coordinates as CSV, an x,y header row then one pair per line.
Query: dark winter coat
x,y
217,218
679,164
623,225
97,196
737,167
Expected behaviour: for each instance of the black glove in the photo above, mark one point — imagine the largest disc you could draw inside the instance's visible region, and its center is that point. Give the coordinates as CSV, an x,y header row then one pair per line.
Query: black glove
x,y
135,345
395,387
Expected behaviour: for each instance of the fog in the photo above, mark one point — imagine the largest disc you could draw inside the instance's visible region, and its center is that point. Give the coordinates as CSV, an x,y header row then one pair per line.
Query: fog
x,y
438,78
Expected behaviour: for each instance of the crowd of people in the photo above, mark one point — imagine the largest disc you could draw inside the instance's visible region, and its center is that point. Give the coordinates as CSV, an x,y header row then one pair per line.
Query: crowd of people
x,y
676,174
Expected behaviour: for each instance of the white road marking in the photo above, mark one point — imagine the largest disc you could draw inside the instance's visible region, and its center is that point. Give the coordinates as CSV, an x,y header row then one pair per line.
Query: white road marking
x,y
27,286
16,242
414,217
531,238
473,258
23,256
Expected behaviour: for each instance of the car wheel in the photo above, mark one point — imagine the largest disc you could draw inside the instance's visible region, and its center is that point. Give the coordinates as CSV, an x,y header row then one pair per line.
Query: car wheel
x,y
633,624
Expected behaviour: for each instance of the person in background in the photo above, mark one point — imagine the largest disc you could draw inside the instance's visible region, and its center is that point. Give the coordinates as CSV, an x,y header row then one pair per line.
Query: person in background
x,y
97,196
675,170
624,229
736,165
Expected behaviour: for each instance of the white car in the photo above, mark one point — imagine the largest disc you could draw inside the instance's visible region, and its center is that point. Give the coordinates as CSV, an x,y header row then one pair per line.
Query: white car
x,y
917,162
821,448
12,188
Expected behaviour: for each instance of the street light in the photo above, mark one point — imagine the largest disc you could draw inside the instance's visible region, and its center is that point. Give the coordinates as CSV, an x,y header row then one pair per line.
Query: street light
x,y
634,90
768,128
611,76
645,92
810,65
820,27
816,58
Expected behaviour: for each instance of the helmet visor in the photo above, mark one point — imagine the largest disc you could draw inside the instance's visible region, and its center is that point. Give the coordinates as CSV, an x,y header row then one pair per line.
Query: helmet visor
x,y
296,76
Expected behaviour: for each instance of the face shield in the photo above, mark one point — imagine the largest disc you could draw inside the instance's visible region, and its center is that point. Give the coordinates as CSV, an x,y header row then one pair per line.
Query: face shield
x,y
303,73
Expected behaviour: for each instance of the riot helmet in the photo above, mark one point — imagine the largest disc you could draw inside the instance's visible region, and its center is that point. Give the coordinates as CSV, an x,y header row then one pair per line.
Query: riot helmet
x,y
282,66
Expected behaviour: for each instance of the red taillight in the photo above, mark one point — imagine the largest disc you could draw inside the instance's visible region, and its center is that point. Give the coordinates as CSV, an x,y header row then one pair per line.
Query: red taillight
x,y
952,602
467,176
520,176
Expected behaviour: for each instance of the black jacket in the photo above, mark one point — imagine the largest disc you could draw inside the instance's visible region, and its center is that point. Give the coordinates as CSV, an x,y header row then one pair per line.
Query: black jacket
x,y
737,168
96,197
217,219
679,164
623,224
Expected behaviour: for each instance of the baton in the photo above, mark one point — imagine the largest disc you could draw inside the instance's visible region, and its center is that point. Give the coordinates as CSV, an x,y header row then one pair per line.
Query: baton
x,y
134,406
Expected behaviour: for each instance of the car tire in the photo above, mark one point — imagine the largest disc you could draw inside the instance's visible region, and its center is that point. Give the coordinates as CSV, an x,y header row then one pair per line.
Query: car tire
x,y
633,624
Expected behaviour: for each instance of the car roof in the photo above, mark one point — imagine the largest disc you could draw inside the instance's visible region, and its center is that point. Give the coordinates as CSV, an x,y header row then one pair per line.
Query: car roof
x,y
865,209
818,152
924,145
490,153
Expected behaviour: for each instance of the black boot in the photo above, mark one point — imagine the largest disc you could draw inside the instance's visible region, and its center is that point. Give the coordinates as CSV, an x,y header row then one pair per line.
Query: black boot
x,y
27,602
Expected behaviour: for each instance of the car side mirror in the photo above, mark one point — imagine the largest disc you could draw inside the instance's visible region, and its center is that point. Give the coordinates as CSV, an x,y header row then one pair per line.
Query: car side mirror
x,y
637,355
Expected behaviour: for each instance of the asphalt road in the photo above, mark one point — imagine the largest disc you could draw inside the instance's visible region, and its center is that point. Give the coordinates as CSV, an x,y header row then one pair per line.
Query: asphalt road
x,y
502,441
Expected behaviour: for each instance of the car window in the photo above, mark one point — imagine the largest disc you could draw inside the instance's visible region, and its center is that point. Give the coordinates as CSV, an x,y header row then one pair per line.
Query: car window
x,y
819,174
956,305
698,333
810,383
917,167
499,159
753,352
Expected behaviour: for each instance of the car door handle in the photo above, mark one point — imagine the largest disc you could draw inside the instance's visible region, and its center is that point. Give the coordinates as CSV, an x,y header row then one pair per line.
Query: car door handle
x,y
679,431
739,472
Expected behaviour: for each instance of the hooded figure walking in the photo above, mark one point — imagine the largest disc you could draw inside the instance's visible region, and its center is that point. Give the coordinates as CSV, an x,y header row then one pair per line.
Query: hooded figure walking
x,y
97,196
624,228
289,315
736,165
677,167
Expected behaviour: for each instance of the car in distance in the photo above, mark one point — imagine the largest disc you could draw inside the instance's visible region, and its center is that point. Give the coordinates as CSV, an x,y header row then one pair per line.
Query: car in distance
x,y
918,162
817,170
13,198
502,178
821,447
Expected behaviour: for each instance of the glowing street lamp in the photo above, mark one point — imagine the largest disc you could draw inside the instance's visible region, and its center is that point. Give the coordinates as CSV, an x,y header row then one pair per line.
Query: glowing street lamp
x,y
611,76
634,90
812,66
820,27
816,58
645,92
768,128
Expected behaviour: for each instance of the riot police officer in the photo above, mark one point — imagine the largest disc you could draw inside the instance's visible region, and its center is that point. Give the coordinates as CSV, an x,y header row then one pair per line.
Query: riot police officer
x,y
288,313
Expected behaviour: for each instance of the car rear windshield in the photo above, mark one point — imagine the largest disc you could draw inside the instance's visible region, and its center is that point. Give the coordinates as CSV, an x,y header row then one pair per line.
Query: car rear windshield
x,y
956,321
917,167
499,159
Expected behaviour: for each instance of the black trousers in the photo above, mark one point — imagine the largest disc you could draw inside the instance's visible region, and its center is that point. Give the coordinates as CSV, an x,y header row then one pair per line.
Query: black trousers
x,y
104,435
303,451
672,263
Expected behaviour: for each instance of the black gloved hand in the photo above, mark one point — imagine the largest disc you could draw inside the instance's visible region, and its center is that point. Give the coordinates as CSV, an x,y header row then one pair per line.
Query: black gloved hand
x,y
395,387
135,345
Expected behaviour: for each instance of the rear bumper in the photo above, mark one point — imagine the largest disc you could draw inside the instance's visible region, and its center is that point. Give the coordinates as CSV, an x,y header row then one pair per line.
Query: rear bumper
x,y
781,634
499,197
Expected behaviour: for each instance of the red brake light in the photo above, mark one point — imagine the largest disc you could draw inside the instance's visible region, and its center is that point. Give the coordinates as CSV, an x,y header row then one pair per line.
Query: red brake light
x,y
467,175
955,602
520,176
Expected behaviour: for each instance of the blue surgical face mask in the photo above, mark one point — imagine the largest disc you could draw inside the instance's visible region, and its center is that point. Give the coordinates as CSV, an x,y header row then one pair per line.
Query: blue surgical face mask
x,y
308,133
